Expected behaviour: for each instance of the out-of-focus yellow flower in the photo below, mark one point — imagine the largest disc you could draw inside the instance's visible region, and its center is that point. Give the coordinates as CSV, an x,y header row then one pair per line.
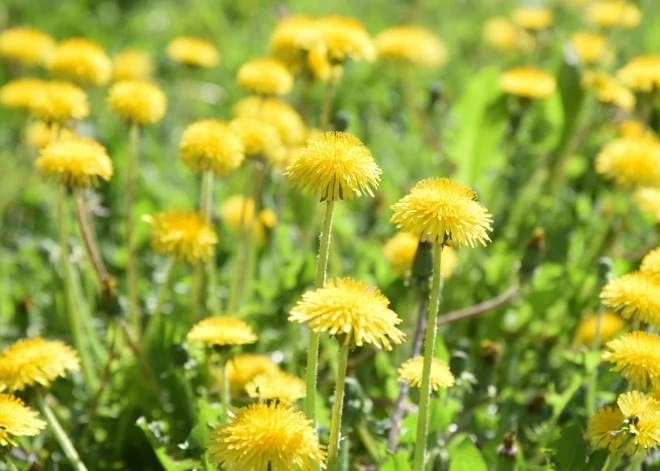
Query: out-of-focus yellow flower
x,y
636,356
18,94
345,38
276,386
137,101
634,295
260,138
411,373
58,102
609,90
237,208
610,325
651,263
35,361
533,17
438,208
630,161
193,51
17,420
400,250
39,134
501,34
265,76
26,46
132,64
81,61
589,47
292,39
604,427
528,82
278,113
641,73
222,331
648,200
184,235
244,368
634,128
210,144
610,13
268,218
413,45
75,162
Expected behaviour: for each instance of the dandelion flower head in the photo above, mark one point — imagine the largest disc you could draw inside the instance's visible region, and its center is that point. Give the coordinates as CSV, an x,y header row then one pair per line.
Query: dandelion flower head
x,y
39,134
610,325
645,412
648,200
75,162
414,45
636,356
589,47
16,420
400,250
528,82
630,162
193,51
260,138
292,39
81,61
642,73
533,17
651,263
604,426
276,386
132,64
276,112
18,94
183,235
345,38
411,373
210,144
237,209
137,101
26,46
242,369
222,331
634,295
58,102
265,76
610,13
609,90
503,35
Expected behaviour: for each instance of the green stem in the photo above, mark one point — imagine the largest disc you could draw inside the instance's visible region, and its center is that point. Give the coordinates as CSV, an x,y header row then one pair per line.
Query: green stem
x,y
592,390
77,330
326,111
104,377
333,447
313,347
429,351
8,461
226,392
130,243
162,295
237,269
202,292
368,441
61,436
90,243
613,460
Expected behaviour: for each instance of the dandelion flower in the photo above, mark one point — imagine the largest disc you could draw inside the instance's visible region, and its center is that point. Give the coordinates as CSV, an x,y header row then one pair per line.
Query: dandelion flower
x,y
630,161
635,128
276,112
266,436
528,82
268,218
335,166
648,201
604,427
636,356
222,331
614,13
26,46
132,64
193,51
411,373
589,47
642,73
137,101
237,209
276,386
651,263
609,90
438,208
210,144
244,368
292,39
58,102
643,418
81,61
610,325
634,295
265,76
400,250
16,420
18,94
345,38
501,34
39,134
75,162
36,360
414,45
533,17
353,311
184,235
260,138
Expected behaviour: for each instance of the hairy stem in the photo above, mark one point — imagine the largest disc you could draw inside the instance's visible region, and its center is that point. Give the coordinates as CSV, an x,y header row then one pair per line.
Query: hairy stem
x,y
130,243
337,409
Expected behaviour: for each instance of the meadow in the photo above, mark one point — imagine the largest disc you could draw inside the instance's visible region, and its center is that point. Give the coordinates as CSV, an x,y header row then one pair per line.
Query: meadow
x,y
371,235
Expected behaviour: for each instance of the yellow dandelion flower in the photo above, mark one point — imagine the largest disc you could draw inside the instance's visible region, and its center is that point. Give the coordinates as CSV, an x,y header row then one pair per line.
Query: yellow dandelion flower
x,y
610,325
193,51
630,161
651,263
17,420
635,128
276,112
648,201
137,101
335,166
609,90
641,73
268,218
184,235
353,311
266,436
414,45
81,61
320,67
237,209
345,38
400,250
39,134
276,386
26,46
634,295
614,13
501,34
209,144
222,331
244,368
643,418
604,429
265,76
411,373
636,356
438,208
18,94
36,360
528,82
589,47
260,138
132,64
533,17
58,102
292,39
75,162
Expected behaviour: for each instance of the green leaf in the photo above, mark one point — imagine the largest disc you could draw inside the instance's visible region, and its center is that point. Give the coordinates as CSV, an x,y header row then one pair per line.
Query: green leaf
x,y
168,463
398,462
464,456
571,450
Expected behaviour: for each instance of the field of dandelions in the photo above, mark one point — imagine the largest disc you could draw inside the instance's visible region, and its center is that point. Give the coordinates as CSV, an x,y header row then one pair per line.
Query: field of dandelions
x,y
372,235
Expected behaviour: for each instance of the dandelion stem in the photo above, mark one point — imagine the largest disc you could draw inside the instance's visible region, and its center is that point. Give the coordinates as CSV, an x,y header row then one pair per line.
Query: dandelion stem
x,y
429,351
236,272
326,111
226,392
245,287
313,347
8,461
104,377
130,243
61,436
613,460
162,294
90,243
335,428
135,349
592,390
